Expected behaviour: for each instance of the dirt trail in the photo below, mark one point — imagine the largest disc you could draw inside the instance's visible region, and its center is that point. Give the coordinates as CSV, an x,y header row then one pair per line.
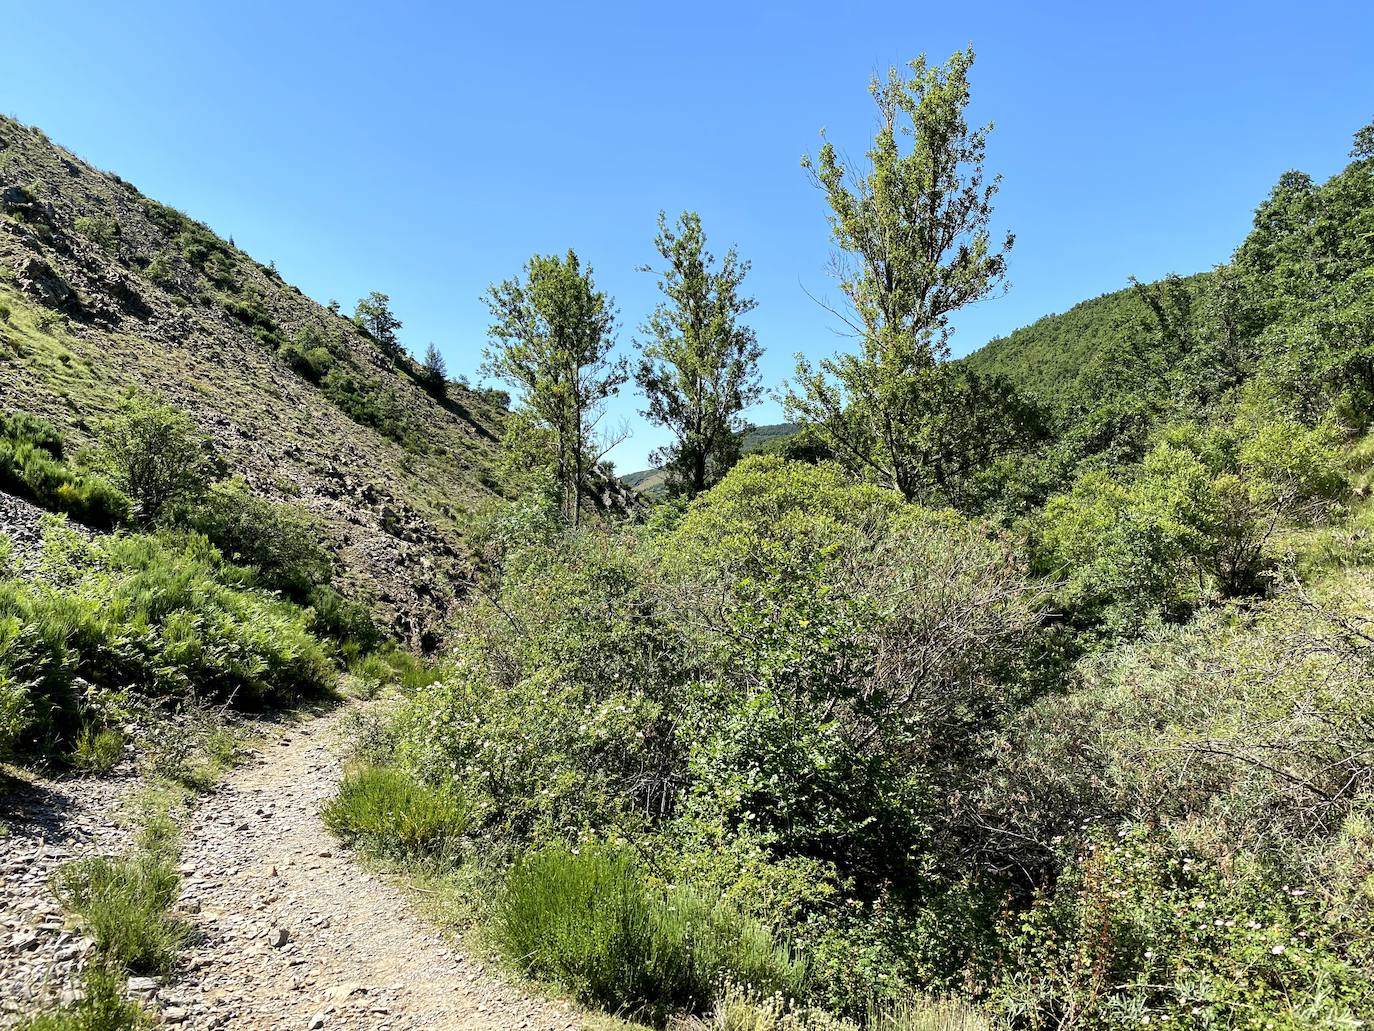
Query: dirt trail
x,y
294,934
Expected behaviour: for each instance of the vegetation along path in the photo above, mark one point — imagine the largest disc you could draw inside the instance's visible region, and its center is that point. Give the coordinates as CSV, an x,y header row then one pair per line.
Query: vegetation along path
x,y
294,935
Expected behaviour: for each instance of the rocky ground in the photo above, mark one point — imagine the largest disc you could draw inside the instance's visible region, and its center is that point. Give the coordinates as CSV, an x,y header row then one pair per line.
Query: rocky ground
x,y
289,931
42,826
22,523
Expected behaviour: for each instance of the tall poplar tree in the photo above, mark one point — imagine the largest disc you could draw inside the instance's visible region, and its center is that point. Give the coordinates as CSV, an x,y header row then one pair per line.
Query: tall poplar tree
x,y
551,338
915,245
699,364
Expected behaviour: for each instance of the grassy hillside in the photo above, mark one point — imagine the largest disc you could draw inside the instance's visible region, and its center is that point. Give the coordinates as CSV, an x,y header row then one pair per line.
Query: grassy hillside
x,y
104,292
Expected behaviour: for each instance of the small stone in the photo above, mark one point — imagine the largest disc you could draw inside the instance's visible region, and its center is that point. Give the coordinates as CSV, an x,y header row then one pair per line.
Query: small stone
x,y
317,1021
277,937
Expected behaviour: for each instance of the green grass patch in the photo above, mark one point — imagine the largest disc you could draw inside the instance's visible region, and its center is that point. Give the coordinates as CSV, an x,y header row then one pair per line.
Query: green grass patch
x,y
32,466
390,812
590,921
125,904
97,749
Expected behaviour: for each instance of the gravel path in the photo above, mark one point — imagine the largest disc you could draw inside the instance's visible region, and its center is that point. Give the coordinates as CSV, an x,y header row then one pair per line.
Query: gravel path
x,y
296,935
289,932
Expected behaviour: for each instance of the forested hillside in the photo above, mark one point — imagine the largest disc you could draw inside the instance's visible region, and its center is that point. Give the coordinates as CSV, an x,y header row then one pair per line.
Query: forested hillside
x,y
1037,682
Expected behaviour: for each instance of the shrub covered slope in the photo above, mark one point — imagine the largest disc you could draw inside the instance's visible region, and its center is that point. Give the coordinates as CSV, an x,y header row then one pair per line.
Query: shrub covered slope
x,y
1080,741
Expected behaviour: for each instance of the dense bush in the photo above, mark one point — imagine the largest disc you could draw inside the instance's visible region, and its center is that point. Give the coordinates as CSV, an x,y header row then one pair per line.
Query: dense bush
x,y
1098,758
278,541
32,466
162,616
369,404
1194,520
309,353
157,457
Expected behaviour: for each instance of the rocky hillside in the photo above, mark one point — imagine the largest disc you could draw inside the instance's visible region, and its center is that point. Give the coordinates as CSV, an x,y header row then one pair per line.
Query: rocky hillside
x,y
104,291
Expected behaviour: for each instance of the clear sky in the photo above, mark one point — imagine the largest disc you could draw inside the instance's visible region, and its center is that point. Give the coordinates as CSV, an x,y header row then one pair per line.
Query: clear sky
x,y
427,149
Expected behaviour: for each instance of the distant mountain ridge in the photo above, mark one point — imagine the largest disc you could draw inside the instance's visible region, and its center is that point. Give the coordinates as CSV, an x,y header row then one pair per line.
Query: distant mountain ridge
x,y
756,438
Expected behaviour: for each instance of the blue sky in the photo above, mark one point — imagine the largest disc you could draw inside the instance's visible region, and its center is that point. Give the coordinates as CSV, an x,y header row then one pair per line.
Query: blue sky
x,y
427,149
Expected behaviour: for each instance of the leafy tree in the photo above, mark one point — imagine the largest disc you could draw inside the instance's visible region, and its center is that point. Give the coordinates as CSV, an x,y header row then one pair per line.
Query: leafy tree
x,y
434,372
373,316
551,337
157,456
699,369
916,245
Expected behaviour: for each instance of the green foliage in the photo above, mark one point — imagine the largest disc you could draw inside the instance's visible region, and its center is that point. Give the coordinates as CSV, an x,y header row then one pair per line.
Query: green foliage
x,y
101,230
1103,762
32,466
157,456
1195,517
590,921
390,811
280,542
699,369
551,338
101,1007
373,316
309,353
887,411
162,616
434,372
369,404
1136,931
125,903
97,749
161,269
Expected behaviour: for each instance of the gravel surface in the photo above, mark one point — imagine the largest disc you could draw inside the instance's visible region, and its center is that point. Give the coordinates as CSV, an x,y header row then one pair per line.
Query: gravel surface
x,y
43,825
290,932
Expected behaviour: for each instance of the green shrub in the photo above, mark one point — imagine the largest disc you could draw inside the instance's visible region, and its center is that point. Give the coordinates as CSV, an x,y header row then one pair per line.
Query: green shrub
x,y
309,353
280,542
164,616
97,749
1137,930
346,620
102,1007
158,457
125,903
32,466
590,922
101,230
390,811
161,269
369,404
738,1010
